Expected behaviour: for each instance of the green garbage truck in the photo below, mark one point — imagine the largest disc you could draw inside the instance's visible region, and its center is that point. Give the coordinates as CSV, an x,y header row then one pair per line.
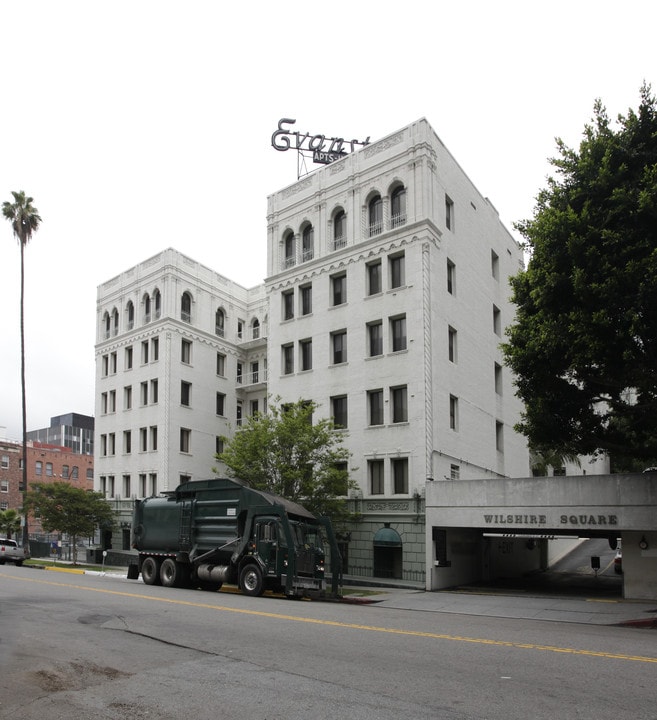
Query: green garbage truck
x,y
209,532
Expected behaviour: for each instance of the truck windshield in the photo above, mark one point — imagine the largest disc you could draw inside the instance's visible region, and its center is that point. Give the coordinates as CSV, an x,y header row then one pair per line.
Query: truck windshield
x,y
307,535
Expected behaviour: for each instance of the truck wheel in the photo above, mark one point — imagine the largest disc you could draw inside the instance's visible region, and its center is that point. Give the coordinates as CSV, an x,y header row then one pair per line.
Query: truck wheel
x,y
18,563
170,573
150,571
251,580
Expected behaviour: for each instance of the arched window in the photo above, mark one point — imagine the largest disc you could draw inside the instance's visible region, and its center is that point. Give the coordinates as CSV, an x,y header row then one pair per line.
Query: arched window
x,y
307,243
147,308
186,307
115,322
157,301
107,323
219,323
398,207
290,255
130,312
255,329
375,215
339,229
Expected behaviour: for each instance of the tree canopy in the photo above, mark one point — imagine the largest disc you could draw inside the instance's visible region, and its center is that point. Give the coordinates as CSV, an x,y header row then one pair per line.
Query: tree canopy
x,y
68,509
584,344
288,452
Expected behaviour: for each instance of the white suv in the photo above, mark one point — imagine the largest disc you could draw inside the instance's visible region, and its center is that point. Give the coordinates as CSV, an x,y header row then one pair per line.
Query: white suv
x,y
10,552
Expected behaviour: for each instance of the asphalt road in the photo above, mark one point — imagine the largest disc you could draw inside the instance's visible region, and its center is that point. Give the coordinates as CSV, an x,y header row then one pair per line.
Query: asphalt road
x,y
104,647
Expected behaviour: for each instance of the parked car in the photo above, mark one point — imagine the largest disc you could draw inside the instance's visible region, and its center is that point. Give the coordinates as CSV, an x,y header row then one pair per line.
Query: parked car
x,y
618,562
10,552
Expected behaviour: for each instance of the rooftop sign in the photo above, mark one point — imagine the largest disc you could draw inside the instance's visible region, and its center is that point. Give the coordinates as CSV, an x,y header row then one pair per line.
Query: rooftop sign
x,y
324,150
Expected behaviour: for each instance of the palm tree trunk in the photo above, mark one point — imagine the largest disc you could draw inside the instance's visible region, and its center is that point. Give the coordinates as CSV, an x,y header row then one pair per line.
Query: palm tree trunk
x,y
26,534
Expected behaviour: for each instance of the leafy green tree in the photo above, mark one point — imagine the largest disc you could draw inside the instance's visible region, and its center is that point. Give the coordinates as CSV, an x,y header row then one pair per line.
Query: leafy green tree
x,y
25,221
287,452
10,522
584,344
67,509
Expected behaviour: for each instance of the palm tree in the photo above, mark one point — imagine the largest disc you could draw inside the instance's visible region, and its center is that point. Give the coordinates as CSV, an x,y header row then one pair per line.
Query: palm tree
x,y
10,522
25,220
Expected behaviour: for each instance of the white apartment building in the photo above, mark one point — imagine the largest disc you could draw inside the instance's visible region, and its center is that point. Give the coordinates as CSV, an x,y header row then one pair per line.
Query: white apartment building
x,y
388,298
180,357
385,301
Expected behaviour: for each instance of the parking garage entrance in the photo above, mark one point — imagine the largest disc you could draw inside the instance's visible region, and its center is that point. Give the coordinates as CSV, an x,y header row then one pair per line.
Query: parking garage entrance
x,y
481,530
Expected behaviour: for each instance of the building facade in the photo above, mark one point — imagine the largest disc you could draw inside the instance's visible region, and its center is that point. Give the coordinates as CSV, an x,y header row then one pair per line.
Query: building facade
x,y
181,357
46,463
71,430
385,301
388,298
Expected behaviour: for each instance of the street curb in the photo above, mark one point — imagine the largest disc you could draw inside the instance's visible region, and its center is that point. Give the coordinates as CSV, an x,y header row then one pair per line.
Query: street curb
x,y
644,623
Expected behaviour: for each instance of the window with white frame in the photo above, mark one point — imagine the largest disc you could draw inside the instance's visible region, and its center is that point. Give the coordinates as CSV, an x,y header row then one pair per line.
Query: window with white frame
x,y
375,407
339,347
399,397
375,338
339,411
398,333
399,471
375,476
396,267
374,283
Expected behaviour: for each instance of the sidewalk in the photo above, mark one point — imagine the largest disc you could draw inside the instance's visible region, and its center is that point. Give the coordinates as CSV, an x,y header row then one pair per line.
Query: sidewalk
x,y
502,604
595,603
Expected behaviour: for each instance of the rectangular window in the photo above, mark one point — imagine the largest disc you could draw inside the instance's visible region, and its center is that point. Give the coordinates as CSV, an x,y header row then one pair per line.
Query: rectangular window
x,y
306,299
103,403
126,486
497,321
398,333
339,346
105,361
288,359
65,471
111,444
453,412
185,393
495,264
153,437
4,464
144,393
154,391
397,270
339,411
155,349
221,404
38,470
454,472
238,376
306,354
185,440
254,407
218,444
238,414
498,378
112,401
399,398
142,485
451,277
127,397
113,363
375,338
152,482
127,442
221,364
128,358
186,351
103,445
374,285
399,476
48,469
449,213
4,486
339,289
143,439
144,352
375,476
499,436
255,372
451,344
375,407
288,304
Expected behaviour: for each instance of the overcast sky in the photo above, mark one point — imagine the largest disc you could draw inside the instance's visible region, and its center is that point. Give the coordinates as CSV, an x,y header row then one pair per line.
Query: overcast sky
x,y
145,124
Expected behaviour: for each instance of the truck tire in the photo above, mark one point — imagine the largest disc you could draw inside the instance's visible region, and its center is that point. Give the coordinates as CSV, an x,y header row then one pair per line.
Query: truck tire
x,y
150,571
170,573
251,580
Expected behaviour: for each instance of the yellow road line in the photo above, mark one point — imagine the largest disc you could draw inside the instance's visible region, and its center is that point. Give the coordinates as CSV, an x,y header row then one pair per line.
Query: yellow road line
x,y
353,626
